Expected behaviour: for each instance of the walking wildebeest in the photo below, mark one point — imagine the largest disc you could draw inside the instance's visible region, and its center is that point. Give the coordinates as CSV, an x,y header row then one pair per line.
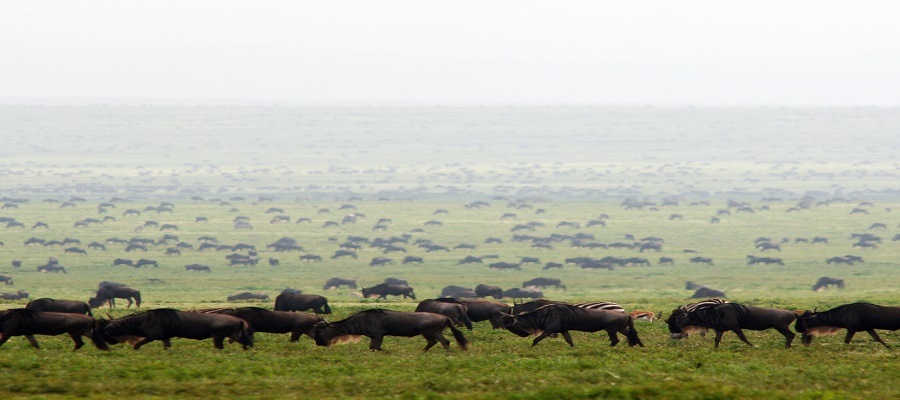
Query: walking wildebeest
x,y
519,293
110,293
450,308
165,323
197,268
855,317
7,280
826,281
735,317
562,318
690,307
63,306
25,322
396,281
262,320
249,296
302,302
51,268
504,265
378,323
485,310
338,282
544,282
21,294
382,290
483,290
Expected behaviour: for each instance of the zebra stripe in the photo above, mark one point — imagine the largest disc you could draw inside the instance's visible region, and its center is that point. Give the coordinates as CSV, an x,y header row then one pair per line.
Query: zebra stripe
x,y
701,305
600,305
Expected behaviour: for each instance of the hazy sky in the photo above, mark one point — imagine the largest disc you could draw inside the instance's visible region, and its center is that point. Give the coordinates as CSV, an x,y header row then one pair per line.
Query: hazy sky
x,y
485,52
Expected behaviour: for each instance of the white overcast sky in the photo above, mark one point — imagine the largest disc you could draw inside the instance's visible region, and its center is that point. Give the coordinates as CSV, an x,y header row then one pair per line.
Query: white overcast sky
x,y
484,52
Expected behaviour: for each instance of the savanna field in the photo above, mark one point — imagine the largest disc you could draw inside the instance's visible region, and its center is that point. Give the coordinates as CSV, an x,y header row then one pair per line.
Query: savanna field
x,y
320,175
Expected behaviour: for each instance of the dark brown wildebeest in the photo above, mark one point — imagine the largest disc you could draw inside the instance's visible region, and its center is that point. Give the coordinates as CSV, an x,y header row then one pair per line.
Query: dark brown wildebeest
x,y
63,306
302,302
562,318
450,307
701,260
855,317
704,292
75,250
262,320
483,290
690,307
110,293
142,262
470,259
344,253
336,283
14,296
666,261
413,259
551,264
51,268
519,293
164,324
734,317
249,296
544,282
380,261
311,257
25,322
382,290
458,291
7,280
396,281
504,265
378,323
485,310
197,268
825,281
123,261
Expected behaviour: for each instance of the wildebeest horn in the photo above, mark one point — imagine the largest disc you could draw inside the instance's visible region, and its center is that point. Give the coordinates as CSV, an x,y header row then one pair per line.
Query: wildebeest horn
x,y
815,310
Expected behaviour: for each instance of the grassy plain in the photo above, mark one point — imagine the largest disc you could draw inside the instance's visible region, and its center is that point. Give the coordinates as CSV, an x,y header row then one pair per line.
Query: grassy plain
x,y
499,364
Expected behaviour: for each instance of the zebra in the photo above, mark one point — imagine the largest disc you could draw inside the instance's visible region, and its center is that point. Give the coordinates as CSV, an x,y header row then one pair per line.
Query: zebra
x,y
688,308
601,305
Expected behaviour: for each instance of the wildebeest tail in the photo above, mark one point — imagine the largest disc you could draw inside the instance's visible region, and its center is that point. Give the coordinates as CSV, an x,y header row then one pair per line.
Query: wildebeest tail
x,y
245,338
96,337
465,320
458,335
633,339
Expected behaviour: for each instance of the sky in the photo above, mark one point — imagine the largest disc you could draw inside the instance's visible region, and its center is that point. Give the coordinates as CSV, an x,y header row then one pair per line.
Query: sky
x,y
700,53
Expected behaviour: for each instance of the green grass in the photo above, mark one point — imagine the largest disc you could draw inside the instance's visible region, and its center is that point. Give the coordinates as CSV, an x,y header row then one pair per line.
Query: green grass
x,y
499,364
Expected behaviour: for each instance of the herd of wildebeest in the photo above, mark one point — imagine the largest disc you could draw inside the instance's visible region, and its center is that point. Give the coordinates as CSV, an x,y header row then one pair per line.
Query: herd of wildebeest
x,y
456,305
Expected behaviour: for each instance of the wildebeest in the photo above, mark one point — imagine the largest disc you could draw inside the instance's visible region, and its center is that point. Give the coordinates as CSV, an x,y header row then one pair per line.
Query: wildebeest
x,y
75,250
26,322
485,310
380,261
142,262
110,293
412,259
311,257
544,282
249,296
458,292
396,281
197,268
666,261
519,293
262,320
302,302
165,323
21,294
51,268
708,292
826,281
483,290
690,307
451,308
855,317
382,290
123,261
734,317
63,306
562,318
378,323
344,253
504,265
7,280
701,260
335,283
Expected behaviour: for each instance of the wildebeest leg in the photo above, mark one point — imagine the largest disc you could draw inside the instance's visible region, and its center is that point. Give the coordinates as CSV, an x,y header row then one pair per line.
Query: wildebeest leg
x,y
613,338
295,336
3,338
740,334
788,336
375,343
129,302
849,337
147,340
219,341
431,341
876,337
76,337
538,339
33,341
568,338
718,337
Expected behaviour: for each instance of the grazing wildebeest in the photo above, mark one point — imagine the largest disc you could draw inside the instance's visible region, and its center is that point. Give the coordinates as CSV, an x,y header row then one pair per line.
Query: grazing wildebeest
x,y
562,318
519,293
110,293
27,322
164,324
485,310
123,261
483,290
544,282
382,290
734,317
470,259
142,262
21,294
666,261
826,281
378,323
855,317
458,291
311,257
451,308
197,268
344,253
262,320
302,302
413,259
504,265
380,261
552,264
531,260
249,296
701,260
338,282
16,263
7,280
51,268
708,292
63,306
75,250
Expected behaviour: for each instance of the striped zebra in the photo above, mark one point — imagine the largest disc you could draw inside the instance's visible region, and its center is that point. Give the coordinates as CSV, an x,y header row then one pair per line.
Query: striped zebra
x,y
687,308
600,305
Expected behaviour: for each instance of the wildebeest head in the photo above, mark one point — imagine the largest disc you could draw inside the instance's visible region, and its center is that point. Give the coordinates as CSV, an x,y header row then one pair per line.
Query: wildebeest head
x,y
95,302
679,325
512,324
811,324
326,334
